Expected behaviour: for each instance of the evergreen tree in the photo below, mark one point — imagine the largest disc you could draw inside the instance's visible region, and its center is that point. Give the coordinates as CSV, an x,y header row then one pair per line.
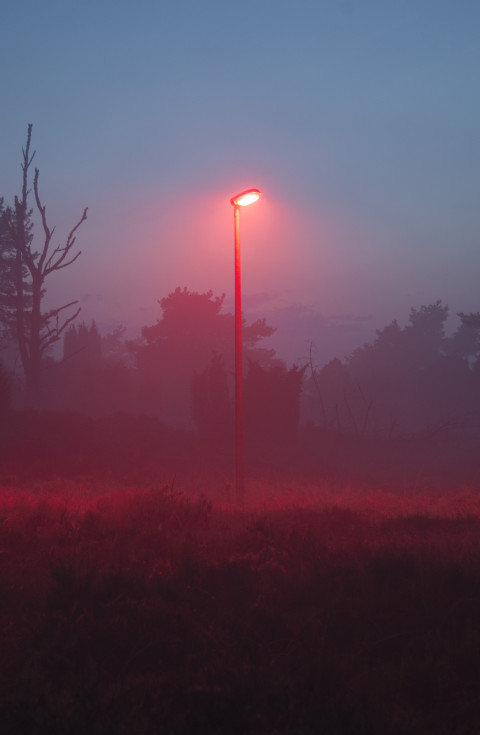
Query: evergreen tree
x,y
191,331
406,378
8,277
82,345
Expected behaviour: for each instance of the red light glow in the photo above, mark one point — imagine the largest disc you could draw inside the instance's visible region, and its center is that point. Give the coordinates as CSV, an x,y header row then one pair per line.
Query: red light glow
x,y
246,197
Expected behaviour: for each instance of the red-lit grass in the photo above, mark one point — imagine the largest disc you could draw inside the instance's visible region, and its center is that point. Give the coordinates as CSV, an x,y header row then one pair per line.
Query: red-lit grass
x,y
312,609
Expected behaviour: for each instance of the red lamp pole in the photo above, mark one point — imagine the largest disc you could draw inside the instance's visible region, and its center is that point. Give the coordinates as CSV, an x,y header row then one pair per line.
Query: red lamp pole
x,y
241,200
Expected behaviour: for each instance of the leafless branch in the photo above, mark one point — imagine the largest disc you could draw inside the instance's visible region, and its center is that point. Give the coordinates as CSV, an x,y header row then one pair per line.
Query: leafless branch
x,y
56,259
56,266
53,264
53,333
55,312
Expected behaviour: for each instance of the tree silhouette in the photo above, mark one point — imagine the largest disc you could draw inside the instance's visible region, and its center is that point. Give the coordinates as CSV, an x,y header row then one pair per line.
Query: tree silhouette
x,y
465,341
469,333
470,320
212,405
272,404
8,268
6,273
194,323
406,379
82,345
35,331
424,335
184,340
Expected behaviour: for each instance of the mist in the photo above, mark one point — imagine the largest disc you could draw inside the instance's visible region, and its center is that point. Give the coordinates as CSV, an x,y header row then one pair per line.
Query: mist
x,y
222,519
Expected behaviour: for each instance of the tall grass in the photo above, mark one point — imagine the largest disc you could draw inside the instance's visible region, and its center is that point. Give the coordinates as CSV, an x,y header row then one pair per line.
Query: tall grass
x,y
315,608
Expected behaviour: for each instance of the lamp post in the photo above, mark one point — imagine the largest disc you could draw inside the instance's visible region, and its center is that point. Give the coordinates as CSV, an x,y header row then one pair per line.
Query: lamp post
x,y
241,200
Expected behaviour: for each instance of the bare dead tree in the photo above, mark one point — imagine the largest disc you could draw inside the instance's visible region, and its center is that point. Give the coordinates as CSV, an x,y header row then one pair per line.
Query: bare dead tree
x,y
36,331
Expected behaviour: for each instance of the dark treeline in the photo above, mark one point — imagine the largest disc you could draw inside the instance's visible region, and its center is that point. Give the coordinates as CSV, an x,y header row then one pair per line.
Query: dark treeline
x,y
402,408
181,371
406,380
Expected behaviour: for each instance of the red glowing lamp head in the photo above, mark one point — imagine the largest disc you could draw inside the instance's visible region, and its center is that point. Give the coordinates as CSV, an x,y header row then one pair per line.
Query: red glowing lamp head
x,y
246,197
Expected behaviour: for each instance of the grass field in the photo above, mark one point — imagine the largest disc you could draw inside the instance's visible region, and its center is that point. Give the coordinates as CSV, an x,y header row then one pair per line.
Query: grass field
x,y
315,608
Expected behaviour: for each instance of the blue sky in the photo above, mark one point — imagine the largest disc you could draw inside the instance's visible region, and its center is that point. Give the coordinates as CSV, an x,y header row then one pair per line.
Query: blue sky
x,y
358,120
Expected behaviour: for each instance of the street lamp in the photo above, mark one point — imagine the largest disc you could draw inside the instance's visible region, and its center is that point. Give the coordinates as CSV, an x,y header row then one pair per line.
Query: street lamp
x,y
241,200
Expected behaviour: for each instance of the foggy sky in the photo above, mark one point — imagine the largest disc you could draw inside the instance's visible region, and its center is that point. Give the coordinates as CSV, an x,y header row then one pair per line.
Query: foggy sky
x,y
358,121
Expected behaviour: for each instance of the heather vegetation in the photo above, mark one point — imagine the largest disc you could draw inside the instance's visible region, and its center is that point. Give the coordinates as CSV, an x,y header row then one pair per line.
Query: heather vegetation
x,y
314,609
